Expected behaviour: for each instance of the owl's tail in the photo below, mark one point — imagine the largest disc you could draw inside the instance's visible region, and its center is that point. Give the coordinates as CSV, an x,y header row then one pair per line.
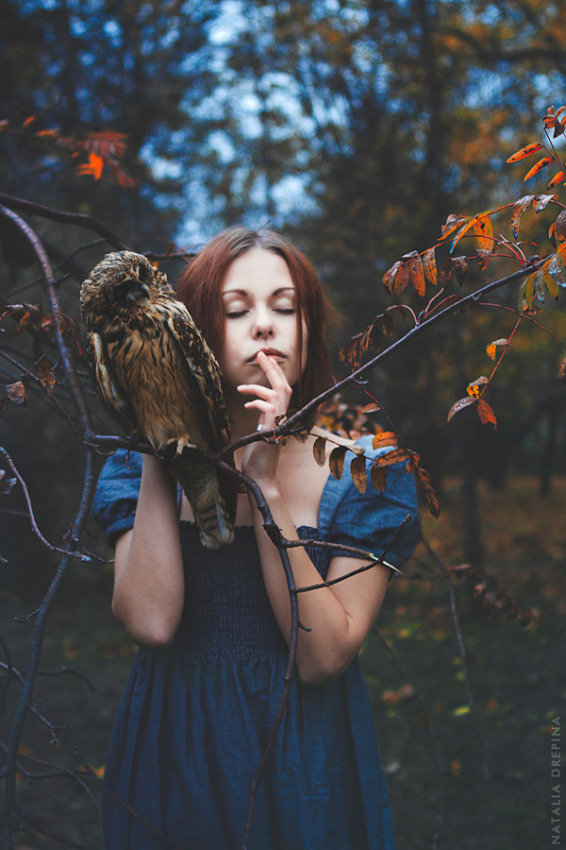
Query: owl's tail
x,y
212,498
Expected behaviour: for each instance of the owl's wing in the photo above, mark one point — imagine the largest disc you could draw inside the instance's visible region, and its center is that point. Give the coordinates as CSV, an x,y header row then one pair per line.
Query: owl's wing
x,y
204,369
107,386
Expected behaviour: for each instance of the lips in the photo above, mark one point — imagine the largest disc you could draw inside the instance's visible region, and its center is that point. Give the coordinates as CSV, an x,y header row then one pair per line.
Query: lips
x,y
271,352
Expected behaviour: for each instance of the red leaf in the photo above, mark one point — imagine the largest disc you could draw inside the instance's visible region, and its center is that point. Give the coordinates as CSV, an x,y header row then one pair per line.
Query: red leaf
x,y
486,413
45,374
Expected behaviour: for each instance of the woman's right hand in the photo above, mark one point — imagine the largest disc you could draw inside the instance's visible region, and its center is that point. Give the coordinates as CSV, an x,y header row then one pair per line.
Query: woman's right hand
x,y
260,459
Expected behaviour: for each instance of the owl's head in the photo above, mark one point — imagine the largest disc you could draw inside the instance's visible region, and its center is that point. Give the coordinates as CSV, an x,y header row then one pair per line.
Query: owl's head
x,y
120,286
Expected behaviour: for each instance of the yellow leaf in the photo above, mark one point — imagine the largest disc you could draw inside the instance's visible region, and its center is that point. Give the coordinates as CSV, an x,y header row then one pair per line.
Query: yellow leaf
x,y
492,347
483,231
461,710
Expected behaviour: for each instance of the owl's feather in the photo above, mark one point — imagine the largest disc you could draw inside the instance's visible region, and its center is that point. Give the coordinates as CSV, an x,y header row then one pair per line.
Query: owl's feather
x,y
157,375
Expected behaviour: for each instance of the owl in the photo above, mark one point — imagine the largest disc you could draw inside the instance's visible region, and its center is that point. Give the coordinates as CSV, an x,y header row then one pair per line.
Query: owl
x,y
155,372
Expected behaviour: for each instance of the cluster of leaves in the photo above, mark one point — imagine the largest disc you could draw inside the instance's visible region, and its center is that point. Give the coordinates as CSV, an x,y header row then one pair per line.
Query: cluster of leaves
x,y
97,152
39,324
387,442
495,599
436,267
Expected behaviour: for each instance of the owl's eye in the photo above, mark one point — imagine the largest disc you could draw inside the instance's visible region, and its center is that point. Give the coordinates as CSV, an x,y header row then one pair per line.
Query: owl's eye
x,y
125,285
143,273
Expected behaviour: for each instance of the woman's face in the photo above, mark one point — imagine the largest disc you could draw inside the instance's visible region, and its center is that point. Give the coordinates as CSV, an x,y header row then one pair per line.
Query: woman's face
x,y
260,311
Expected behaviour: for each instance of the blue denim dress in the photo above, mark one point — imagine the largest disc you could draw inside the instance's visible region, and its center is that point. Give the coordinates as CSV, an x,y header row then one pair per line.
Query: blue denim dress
x,y
195,716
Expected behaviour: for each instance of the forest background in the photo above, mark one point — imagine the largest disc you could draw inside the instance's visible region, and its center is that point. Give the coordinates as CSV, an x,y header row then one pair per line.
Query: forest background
x,y
355,128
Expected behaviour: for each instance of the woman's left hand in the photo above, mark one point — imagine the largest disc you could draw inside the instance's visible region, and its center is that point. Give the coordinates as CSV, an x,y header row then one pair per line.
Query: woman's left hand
x,y
260,459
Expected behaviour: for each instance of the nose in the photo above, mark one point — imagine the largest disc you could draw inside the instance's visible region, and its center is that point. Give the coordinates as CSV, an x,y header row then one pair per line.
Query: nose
x,y
263,325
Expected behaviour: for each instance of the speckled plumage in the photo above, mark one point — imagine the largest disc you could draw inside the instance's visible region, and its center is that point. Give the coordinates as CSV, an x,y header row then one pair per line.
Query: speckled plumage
x,y
154,370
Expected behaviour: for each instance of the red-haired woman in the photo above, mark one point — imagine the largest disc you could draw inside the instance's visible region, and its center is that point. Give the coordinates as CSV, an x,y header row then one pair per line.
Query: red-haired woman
x,y
213,624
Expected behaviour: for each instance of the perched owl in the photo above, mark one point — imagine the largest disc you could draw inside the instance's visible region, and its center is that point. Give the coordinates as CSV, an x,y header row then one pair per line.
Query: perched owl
x,y
153,368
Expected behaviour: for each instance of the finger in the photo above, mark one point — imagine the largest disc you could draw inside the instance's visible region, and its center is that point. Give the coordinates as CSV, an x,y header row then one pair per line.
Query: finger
x,y
257,389
272,370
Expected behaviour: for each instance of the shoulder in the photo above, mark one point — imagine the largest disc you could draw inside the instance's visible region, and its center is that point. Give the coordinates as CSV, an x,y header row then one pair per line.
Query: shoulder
x,y
370,516
117,493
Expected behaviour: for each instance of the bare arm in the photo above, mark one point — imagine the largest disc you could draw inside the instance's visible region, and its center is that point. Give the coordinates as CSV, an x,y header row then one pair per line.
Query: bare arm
x,y
149,582
339,617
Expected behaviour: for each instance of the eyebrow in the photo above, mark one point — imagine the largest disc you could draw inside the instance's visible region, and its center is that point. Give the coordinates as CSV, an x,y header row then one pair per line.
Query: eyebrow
x,y
244,292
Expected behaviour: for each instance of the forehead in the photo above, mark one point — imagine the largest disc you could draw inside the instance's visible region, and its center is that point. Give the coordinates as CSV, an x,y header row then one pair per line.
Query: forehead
x,y
257,272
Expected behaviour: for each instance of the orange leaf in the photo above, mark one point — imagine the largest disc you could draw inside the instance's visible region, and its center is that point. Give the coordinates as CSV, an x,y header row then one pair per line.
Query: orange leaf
x,y
556,179
391,458
93,168
384,438
542,163
416,275
358,470
473,389
28,121
401,279
486,413
524,152
429,266
390,275
453,222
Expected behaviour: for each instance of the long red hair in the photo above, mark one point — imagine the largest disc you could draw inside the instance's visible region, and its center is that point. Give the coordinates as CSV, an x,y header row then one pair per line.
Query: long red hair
x,y
200,288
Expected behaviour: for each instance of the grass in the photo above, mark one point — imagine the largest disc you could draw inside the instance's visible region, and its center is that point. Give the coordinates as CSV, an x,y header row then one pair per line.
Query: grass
x,y
436,752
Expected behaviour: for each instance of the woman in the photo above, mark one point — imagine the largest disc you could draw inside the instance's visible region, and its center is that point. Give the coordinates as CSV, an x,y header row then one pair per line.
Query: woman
x,y
213,625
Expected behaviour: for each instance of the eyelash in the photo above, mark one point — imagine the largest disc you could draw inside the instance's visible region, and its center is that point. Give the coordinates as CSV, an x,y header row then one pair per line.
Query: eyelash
x,y
285,311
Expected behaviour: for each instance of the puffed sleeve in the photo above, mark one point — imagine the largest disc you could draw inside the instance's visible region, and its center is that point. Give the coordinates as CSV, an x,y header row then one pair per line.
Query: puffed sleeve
x,y
117,492
370,520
